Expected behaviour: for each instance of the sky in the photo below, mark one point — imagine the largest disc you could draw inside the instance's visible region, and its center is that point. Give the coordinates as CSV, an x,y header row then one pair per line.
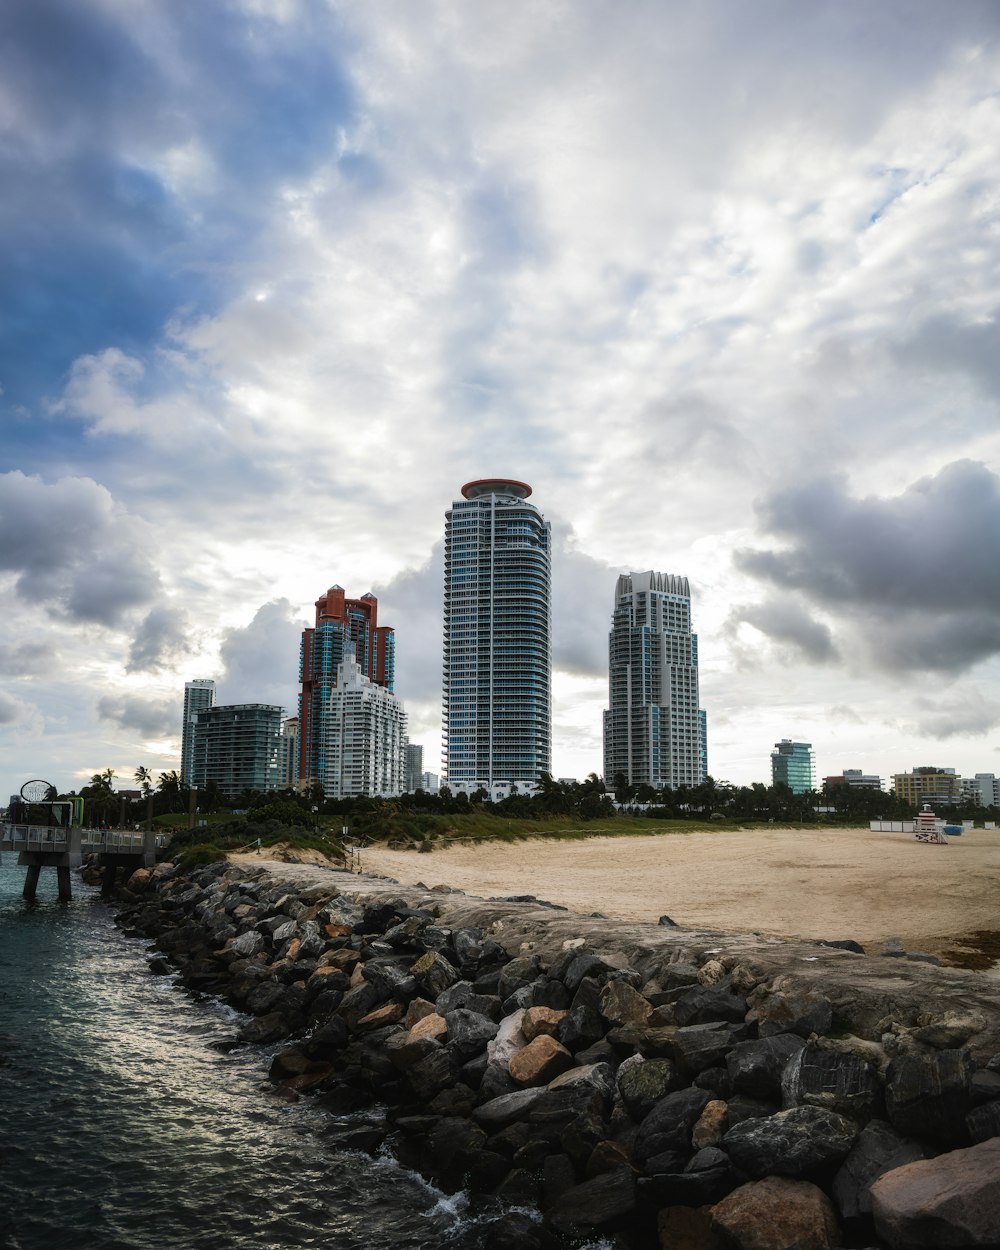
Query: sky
x,y
720,281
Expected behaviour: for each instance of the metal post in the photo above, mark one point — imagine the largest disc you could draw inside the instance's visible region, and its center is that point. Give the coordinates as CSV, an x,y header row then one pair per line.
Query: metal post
x,y
31,881
65,887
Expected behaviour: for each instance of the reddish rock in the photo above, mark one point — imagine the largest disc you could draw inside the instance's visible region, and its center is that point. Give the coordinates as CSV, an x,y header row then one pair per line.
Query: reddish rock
x,y
711,1126
540,1061
539,1020
293,949
777,1214
324,971
936,1204
337,930
687,1228
139,880
432,1025
390,1013
357,976
417,1010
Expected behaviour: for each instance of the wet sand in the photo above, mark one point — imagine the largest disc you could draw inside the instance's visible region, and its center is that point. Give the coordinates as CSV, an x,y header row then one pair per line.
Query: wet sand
x,y
820,883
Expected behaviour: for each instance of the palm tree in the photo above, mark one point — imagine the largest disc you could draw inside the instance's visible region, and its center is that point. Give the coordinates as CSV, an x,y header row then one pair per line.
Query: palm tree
x,y
145,779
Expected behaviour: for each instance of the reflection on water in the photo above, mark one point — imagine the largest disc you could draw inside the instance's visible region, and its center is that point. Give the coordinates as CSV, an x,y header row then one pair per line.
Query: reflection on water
x,y
122,1128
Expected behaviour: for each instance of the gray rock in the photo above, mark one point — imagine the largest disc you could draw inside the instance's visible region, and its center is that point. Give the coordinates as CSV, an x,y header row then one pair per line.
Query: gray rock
x,y
985,1087
433,974
984,1122
643,1082
928,1095
704,1004
506,1109
755,1067
429,1075
837,1080
701,1046
943,1203
878,1149
604,1202
667,1128
517,973
248,944
794,1011
468,1033
790,1143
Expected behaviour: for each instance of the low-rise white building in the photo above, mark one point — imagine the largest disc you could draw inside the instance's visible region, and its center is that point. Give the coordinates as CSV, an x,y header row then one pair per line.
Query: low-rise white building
x,y
365,740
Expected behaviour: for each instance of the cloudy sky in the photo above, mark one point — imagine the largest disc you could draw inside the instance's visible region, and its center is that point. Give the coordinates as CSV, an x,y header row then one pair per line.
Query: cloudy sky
x,y
720,280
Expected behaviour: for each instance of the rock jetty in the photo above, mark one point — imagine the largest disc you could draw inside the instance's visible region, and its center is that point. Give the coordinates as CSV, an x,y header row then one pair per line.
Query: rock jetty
x,y
630,1083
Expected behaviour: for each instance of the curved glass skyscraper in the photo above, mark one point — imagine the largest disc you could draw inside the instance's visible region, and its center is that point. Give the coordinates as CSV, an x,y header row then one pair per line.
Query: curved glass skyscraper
x,y
497,637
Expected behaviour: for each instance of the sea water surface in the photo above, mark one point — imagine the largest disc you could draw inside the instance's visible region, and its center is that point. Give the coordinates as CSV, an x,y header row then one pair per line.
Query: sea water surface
x,y
123,1126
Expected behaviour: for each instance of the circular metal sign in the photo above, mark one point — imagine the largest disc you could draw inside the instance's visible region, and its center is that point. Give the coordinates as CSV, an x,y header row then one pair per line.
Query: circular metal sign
x,y
36,791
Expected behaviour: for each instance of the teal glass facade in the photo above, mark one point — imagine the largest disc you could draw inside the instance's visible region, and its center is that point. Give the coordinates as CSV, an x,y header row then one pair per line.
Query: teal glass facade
x,y
238,746
792,765
497,637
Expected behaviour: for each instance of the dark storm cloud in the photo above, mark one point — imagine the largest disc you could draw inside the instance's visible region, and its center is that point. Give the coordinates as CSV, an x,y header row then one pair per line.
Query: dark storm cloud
x,y
100,246
261,660
161,639
151,718
917,575
786,622
70,548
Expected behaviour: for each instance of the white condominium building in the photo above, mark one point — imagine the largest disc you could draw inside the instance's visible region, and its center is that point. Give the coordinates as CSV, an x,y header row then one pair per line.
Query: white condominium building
x,y
365,737
497,638
654,731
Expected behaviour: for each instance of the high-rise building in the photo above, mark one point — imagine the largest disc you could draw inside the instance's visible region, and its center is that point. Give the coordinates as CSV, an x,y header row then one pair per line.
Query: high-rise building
x,y
792,765
654,730
365,748
237,746
289,761
497,637
341,623
414,767
198,695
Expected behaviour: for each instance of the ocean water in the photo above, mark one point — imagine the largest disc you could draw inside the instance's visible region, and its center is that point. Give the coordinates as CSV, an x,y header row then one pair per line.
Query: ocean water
x,y
123,1126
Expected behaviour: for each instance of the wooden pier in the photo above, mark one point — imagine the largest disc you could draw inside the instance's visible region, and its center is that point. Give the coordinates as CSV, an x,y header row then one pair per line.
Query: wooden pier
x,y
41,846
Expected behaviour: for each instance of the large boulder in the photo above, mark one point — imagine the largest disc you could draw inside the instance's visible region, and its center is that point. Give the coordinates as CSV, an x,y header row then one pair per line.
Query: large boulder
x,y
777,1214
756,1067
878,1149
928,1095
701,1046
791,1143
540,1061
643,1082
791,1010
604,1202
667,1128
704,1004
943,1203
841,1081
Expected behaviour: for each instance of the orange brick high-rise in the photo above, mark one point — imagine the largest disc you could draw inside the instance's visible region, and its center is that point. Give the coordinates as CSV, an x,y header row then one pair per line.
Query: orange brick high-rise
x,y
340,622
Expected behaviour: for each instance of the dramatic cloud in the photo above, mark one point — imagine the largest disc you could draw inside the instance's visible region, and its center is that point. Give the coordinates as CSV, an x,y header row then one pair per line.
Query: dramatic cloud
x,y
151,718
917,574
280,275
161,639
260,660
72,548
785,622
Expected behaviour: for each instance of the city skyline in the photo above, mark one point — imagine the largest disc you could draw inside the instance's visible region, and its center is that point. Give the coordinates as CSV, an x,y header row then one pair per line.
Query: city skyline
x,y
718,280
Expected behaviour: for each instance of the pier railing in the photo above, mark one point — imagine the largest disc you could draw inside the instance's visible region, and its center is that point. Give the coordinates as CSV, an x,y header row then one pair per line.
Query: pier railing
x,y
49,838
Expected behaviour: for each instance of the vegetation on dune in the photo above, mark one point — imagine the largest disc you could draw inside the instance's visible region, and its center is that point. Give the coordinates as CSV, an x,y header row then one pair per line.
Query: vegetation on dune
x,y
306,820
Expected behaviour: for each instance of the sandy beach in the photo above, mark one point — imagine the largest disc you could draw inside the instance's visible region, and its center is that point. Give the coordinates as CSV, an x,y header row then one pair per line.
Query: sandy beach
x,y
820,883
